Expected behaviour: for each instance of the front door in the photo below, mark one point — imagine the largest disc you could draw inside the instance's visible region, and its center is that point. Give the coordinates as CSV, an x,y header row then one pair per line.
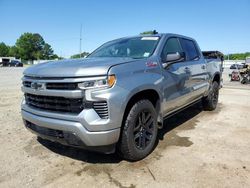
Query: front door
x,y
177,78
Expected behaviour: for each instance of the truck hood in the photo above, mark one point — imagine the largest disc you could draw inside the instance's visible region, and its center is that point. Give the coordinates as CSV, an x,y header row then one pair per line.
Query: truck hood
x,y
75,68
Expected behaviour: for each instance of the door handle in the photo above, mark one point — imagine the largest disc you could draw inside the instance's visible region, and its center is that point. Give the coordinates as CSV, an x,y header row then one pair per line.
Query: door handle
x,y
187,70
203,66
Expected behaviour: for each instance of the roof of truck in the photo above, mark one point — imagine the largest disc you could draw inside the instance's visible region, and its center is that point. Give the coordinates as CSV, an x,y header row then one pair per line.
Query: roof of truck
x,y
166,34
155,35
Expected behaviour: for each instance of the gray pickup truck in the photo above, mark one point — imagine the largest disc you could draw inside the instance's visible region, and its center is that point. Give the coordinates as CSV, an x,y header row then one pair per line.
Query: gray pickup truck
x,y
116,99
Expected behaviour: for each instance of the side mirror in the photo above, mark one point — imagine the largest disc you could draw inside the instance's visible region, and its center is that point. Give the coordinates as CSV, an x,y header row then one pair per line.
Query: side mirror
x,y
174,58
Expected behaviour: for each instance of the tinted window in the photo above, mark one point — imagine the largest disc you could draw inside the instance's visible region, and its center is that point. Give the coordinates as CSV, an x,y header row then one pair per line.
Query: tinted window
x,y
190,49
172,46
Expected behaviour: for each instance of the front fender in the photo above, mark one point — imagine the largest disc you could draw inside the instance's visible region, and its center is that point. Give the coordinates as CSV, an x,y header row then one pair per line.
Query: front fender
x,y
141,78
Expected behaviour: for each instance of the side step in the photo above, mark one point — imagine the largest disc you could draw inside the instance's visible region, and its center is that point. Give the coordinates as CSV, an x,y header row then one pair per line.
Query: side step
x,y
160,125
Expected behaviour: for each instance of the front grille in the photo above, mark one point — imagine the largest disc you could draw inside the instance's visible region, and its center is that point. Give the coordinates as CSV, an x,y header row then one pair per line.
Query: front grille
x,y
61,86
101,109
56,86
57,104
26,84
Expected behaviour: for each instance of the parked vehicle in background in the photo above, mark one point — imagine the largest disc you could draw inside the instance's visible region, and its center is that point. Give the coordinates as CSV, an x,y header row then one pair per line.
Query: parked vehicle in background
x,y
234,71
236,66
118,97
235,75
4,61
15,63
245,74
248,60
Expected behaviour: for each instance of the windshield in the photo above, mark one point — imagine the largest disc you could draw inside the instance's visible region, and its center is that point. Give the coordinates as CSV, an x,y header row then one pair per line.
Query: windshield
x,y
137,47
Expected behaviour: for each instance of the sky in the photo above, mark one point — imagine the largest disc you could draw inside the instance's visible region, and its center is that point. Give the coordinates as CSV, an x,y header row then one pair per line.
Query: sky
x,y
222,25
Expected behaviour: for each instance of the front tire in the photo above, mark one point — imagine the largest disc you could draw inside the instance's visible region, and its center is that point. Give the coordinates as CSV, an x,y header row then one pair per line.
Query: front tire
x,y
210,102
139,131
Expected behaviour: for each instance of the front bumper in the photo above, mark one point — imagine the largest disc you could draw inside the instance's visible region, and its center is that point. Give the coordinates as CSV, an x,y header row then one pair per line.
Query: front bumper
x,y
86,138
87,127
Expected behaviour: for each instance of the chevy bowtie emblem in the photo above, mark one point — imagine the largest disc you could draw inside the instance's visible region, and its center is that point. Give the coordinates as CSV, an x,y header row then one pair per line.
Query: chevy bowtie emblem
x,y
37,85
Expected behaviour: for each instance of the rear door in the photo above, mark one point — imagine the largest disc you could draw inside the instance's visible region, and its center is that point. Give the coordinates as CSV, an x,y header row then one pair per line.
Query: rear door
x,y
196,67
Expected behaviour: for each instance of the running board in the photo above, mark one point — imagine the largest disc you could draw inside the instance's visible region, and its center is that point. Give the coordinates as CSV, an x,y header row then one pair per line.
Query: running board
x,y
181,109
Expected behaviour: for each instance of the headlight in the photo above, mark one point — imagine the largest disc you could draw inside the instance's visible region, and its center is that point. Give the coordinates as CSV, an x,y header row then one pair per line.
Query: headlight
x,y
99,83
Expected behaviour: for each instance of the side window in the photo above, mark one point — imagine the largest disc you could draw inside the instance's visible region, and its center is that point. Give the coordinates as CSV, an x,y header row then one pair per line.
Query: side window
x,y
172,46
190,49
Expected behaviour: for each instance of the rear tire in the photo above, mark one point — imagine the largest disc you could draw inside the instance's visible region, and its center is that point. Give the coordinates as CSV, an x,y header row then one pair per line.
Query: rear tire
x,y
210,102
139,131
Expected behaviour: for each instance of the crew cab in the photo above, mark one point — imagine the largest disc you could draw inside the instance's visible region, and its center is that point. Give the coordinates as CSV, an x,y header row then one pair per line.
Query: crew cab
x,y
116,99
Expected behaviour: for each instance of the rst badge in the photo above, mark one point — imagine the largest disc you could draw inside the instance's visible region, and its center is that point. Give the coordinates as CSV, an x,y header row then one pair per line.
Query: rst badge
x,y
151,64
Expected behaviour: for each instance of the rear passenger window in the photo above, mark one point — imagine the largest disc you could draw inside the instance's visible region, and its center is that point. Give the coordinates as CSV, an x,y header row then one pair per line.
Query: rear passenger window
x,y
172,46
190,49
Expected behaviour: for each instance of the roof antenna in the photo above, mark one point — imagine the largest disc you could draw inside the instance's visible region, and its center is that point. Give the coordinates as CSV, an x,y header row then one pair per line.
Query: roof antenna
x,y
80,49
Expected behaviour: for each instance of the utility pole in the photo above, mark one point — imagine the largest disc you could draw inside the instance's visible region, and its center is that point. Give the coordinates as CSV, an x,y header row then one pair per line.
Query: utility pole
x,y
80,41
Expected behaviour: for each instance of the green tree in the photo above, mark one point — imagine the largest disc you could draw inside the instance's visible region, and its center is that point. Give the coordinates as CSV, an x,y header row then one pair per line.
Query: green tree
x,y
38,44
32,46
239,56
13,52
4,50
83,54
54,56
47,52
27,46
